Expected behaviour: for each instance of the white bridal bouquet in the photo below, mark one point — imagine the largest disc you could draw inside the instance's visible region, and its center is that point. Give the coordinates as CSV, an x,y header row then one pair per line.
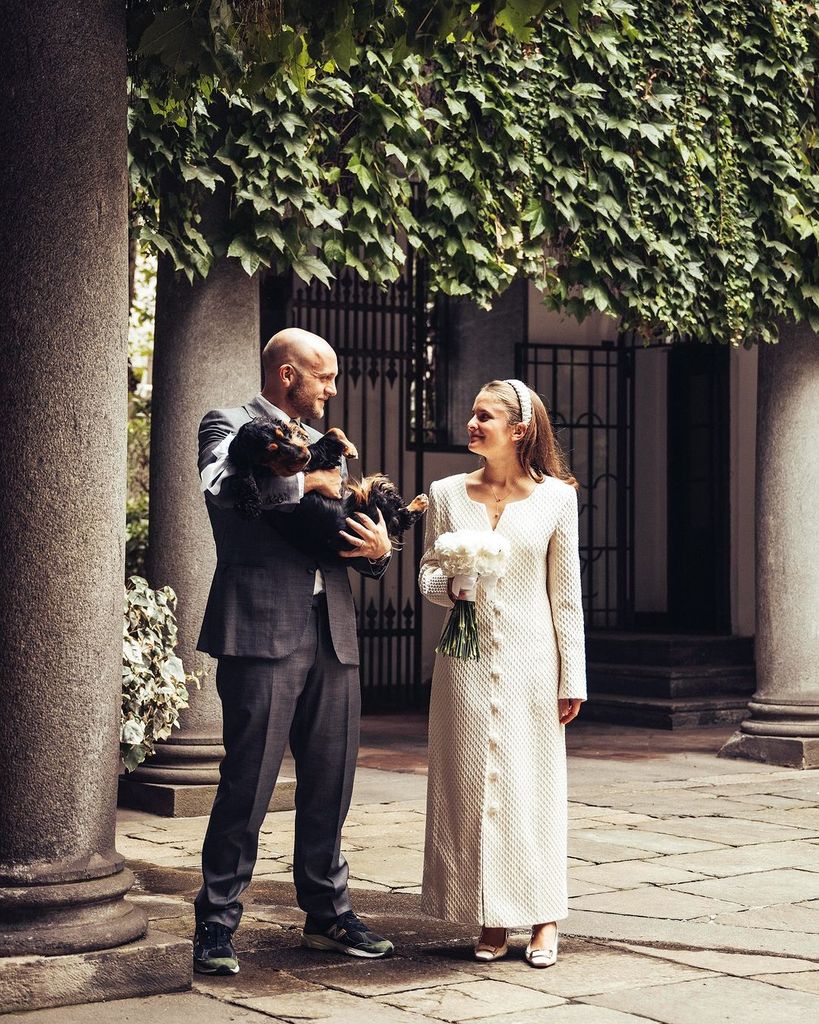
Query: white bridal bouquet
x,y
466,556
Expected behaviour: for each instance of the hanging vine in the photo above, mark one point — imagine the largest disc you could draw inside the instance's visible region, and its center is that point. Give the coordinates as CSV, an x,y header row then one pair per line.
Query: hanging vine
x,y
658,163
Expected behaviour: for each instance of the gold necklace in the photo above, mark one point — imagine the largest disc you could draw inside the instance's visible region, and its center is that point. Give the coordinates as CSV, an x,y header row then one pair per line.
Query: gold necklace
x,y
498,500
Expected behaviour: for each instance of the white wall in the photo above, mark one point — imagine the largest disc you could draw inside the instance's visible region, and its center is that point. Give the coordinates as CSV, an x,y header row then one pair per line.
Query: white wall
x,y
548,328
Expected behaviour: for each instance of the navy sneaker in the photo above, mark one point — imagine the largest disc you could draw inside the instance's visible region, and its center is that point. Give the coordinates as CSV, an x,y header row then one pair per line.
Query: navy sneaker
x,y
344,934
213,951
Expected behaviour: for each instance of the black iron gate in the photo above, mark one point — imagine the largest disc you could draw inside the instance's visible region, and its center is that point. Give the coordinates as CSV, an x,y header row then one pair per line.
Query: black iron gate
x,y
387,349
590,395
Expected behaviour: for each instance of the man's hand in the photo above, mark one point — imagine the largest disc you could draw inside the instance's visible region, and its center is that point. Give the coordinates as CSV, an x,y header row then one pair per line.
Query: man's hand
x,y
370,540
324,481
568,708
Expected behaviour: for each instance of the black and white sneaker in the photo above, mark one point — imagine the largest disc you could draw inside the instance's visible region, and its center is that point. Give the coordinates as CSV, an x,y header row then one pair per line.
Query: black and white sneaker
x,y
213,951
344,934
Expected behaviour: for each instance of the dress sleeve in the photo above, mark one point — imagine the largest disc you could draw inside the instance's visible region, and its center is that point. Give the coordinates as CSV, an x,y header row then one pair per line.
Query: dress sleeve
x,y
563,583
431,578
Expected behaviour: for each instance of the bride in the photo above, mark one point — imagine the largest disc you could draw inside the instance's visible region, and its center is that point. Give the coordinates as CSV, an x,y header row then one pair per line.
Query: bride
x,y
495,852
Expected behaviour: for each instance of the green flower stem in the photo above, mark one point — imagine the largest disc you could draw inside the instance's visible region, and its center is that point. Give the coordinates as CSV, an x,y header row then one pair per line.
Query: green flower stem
x,y
460,637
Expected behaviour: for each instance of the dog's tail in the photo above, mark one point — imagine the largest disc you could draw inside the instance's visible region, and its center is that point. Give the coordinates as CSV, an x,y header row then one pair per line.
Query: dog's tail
x,y
360,489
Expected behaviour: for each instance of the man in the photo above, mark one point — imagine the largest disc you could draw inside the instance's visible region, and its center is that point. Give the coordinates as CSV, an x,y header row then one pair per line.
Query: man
x,y
282,625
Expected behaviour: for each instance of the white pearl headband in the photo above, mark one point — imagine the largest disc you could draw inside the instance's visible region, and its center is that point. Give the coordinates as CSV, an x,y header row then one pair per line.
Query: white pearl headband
x,y
524,400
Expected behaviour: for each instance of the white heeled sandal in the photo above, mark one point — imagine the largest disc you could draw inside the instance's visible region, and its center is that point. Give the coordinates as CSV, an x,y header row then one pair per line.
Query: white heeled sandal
x,y
484,952
541,957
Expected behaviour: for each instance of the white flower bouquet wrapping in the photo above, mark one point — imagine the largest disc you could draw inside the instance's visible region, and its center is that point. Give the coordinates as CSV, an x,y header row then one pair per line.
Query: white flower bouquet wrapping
x,y
467,556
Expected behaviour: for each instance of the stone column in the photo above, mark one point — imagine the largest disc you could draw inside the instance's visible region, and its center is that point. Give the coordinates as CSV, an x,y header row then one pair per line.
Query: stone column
x,y
206,355
783,727
64,301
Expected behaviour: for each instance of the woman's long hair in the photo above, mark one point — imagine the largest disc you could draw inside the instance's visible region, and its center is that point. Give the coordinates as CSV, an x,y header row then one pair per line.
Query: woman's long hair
x,y
538,450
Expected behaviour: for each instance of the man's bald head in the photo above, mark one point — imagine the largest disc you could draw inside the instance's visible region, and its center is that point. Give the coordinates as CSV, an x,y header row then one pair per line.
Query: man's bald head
x,y
295,347
300,370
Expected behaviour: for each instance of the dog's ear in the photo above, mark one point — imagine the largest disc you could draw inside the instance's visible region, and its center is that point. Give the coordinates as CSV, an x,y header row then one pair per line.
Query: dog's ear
x,y
248,500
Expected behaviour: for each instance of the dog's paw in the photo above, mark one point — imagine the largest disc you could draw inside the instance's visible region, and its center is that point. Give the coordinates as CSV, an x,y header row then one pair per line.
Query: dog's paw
x,y
420,503
349,451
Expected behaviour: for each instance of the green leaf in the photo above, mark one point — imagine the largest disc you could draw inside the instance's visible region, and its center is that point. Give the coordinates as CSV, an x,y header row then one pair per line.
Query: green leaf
x,y
572,9
308,267
394,151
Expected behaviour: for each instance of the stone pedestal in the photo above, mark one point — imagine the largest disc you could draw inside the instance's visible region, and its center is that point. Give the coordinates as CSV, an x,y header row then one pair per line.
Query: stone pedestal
x,y
783,727
206,355
64,302
153,964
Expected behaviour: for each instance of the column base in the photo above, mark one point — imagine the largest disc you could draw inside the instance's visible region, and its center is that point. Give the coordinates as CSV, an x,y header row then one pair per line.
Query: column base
x,y
787,751
171,800
151,965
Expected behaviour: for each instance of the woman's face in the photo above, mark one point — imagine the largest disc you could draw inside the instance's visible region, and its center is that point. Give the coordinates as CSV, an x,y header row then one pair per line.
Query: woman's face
x,y
488,429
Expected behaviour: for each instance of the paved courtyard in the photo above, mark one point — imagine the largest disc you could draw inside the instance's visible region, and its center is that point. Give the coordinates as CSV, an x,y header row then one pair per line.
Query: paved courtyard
x,y
694,899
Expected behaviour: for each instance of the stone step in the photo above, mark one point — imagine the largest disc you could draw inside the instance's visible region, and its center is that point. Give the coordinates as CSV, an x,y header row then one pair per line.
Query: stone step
x,y
671,680
672,649
665,712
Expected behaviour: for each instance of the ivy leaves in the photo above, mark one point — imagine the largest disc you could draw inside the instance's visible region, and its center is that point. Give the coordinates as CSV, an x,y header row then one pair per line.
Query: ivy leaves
x,y
657,163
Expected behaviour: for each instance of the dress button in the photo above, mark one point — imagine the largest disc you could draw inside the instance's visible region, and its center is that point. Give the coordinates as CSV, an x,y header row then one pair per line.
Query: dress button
x,y
493,776
492,810
497,610
494,709
495,674
493,743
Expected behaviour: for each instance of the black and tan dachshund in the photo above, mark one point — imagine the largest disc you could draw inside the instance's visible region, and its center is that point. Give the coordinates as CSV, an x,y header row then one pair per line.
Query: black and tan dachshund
x,y
266,445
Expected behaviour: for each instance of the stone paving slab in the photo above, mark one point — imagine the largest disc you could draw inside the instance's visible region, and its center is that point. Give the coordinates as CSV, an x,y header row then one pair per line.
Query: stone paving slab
x,y
802,982
596,851
727,1000
328,1005
758,889
734,833
630,874
654,902
787,917
182,1008
740,965
740,934
398,974
644,839
470,1000
566,1014
586,968
745,859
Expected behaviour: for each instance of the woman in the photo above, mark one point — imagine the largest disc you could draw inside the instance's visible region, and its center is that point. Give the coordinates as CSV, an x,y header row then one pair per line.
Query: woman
x,y
496,806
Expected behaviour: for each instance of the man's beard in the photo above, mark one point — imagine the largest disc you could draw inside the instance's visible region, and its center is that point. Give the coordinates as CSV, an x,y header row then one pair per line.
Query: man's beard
x,y
307,406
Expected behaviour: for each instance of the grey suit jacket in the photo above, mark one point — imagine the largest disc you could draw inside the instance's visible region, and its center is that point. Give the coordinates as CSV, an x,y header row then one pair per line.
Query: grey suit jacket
x,y
262,588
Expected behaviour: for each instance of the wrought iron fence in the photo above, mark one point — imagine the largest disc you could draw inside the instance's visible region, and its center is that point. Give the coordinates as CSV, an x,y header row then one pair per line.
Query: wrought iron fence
x,y
389,383
589,392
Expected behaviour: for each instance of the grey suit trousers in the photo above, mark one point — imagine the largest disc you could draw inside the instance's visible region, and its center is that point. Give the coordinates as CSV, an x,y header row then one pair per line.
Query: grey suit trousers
x,y
310,697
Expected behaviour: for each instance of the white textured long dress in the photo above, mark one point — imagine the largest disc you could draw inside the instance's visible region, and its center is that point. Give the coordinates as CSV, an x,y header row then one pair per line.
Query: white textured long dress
x,y
496,829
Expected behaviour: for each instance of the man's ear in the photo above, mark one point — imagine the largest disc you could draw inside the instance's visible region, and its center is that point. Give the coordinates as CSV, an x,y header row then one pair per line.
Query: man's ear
x,y
286,374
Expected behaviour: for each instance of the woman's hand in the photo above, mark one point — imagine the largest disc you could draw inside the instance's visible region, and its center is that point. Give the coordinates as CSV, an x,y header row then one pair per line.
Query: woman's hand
x,y
568,708
462,594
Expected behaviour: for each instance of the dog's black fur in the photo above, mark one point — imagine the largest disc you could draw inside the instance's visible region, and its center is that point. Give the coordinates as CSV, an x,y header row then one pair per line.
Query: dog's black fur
x,y
266,445
316,525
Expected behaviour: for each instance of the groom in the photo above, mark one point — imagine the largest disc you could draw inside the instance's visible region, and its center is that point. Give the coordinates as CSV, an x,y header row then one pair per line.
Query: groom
x,y
282,625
